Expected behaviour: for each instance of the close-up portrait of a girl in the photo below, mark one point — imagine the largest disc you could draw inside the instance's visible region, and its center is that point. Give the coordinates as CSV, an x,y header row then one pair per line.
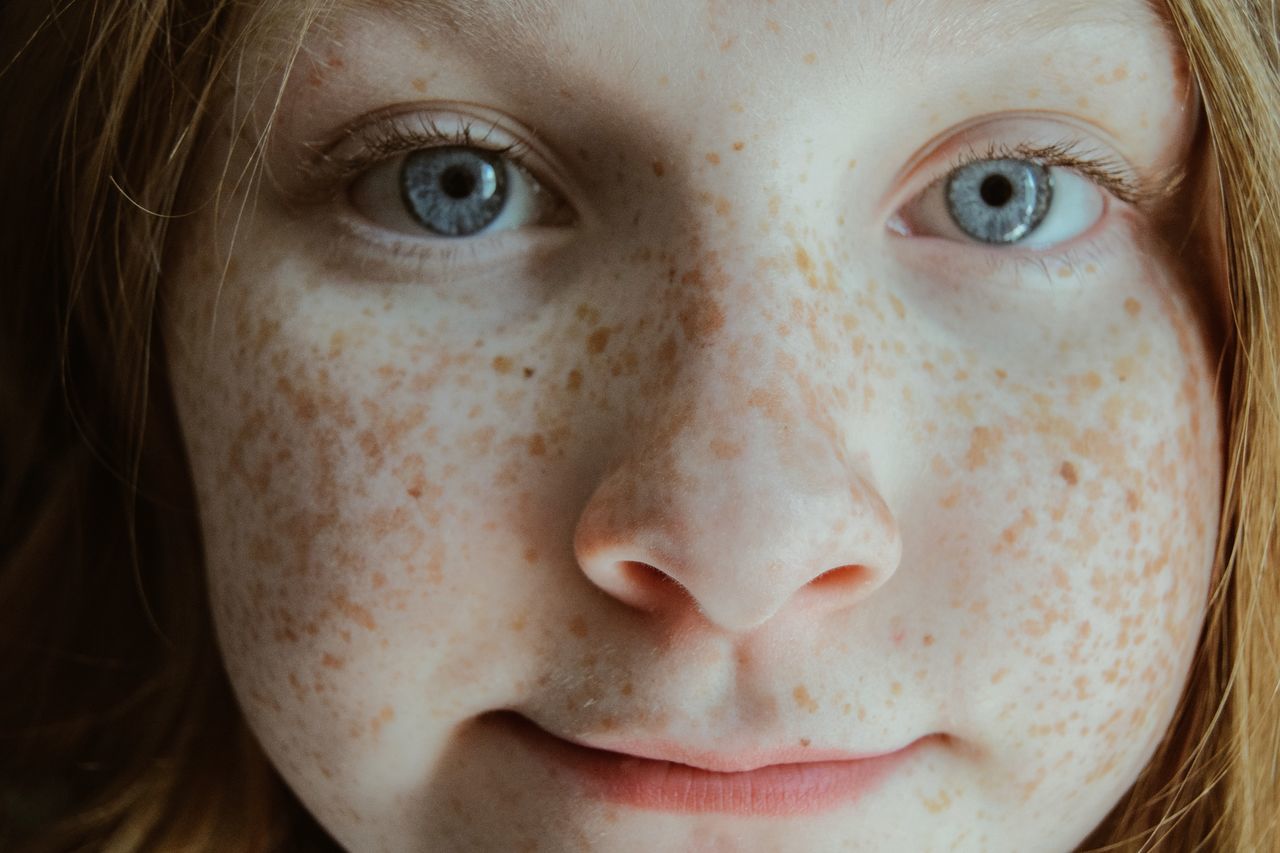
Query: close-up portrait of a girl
x,y
639,425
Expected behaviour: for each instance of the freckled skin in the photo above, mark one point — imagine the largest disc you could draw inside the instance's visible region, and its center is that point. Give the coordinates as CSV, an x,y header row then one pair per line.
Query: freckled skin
x,y
749,473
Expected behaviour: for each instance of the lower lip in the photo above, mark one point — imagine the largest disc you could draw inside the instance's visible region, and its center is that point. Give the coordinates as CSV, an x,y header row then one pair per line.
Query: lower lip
x,y
778,790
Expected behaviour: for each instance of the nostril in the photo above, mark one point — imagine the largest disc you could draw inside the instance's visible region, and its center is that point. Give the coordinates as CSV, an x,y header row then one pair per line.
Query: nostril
x,y
649,586
840,579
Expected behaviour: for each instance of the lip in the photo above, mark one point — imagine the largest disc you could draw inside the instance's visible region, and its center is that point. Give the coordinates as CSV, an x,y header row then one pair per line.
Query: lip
x,y
662,777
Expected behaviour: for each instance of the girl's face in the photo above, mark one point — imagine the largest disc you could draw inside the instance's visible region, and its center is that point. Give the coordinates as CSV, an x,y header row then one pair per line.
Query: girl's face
x,y
812,381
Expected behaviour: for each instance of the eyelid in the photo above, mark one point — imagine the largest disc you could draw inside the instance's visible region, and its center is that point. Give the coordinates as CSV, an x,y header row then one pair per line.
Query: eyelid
x,y
1046,138
328,168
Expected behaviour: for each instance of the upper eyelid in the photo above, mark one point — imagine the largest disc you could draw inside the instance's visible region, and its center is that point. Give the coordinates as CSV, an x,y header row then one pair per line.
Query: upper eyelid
x,y
1033,134
380,138
1107,172
326,169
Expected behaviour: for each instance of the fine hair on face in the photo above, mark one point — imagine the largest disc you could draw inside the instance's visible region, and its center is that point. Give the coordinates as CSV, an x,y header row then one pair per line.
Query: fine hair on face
x,y
120,726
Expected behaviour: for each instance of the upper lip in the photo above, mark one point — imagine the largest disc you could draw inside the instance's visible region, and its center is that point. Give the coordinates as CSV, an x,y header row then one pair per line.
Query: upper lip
x,y
724,759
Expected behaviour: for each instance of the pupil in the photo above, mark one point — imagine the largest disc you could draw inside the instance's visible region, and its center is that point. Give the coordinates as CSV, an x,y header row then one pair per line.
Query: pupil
x,y
996,190
457,182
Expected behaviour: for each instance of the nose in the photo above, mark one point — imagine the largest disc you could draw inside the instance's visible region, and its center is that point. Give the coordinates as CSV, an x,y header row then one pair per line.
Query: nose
x,y
737,500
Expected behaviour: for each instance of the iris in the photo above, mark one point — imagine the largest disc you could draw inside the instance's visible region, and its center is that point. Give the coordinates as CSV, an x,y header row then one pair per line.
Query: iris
x,y
454,191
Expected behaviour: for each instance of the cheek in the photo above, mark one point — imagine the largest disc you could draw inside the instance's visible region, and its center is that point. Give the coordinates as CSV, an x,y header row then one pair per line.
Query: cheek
x,y
352,478
1077,516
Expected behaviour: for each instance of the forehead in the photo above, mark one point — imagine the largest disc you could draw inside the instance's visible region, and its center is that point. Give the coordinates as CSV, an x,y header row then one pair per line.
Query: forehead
x,y
526,26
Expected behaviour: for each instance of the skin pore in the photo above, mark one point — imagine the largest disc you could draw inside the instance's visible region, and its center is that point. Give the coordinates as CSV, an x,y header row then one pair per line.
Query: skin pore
x,y
724,448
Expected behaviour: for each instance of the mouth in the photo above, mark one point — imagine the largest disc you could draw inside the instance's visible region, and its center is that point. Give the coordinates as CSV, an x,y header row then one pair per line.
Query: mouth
x,y
785,784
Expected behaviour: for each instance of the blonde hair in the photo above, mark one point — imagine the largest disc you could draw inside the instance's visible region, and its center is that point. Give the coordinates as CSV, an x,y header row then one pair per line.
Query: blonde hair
x,y
118,729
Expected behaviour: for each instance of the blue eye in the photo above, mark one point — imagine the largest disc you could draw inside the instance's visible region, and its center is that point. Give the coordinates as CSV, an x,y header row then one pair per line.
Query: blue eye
x,y
454,191
1005,202
999,201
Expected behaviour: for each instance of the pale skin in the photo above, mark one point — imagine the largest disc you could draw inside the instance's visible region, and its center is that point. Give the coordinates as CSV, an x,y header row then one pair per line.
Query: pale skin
x,y
730,458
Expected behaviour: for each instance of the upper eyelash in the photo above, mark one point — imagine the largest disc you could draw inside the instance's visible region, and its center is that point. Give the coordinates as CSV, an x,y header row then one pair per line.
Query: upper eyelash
x,y
381,140
1107,172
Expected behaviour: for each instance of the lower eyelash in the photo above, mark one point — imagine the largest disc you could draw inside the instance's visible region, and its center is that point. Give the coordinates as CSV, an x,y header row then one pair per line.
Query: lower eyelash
x,y
1082,258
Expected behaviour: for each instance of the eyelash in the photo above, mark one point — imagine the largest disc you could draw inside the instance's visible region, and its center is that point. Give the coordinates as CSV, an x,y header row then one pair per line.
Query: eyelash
x,y
381,140
1106,172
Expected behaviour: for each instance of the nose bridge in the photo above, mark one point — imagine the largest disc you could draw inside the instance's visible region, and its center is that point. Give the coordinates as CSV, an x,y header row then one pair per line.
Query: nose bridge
x,y
736,483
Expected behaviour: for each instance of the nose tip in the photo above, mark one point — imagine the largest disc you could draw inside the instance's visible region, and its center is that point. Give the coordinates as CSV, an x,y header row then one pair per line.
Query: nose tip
x,y
738,564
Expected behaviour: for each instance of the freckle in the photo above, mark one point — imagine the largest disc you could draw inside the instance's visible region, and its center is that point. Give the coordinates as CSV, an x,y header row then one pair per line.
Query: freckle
x,y
1064,271
332,661
354,611
658,168
713,158
982,442
896,688
999,676
898,307
418,84
537,446
773,26
530,555
739,145
928,639
1068,473
598,340
385,716
803,699
501,364
940,804
379,580
528,372
804,741
725,449
574,382
626,689
723,207
1121,73
1082,102
737,107
810,58
803,261
578,626
1132,307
